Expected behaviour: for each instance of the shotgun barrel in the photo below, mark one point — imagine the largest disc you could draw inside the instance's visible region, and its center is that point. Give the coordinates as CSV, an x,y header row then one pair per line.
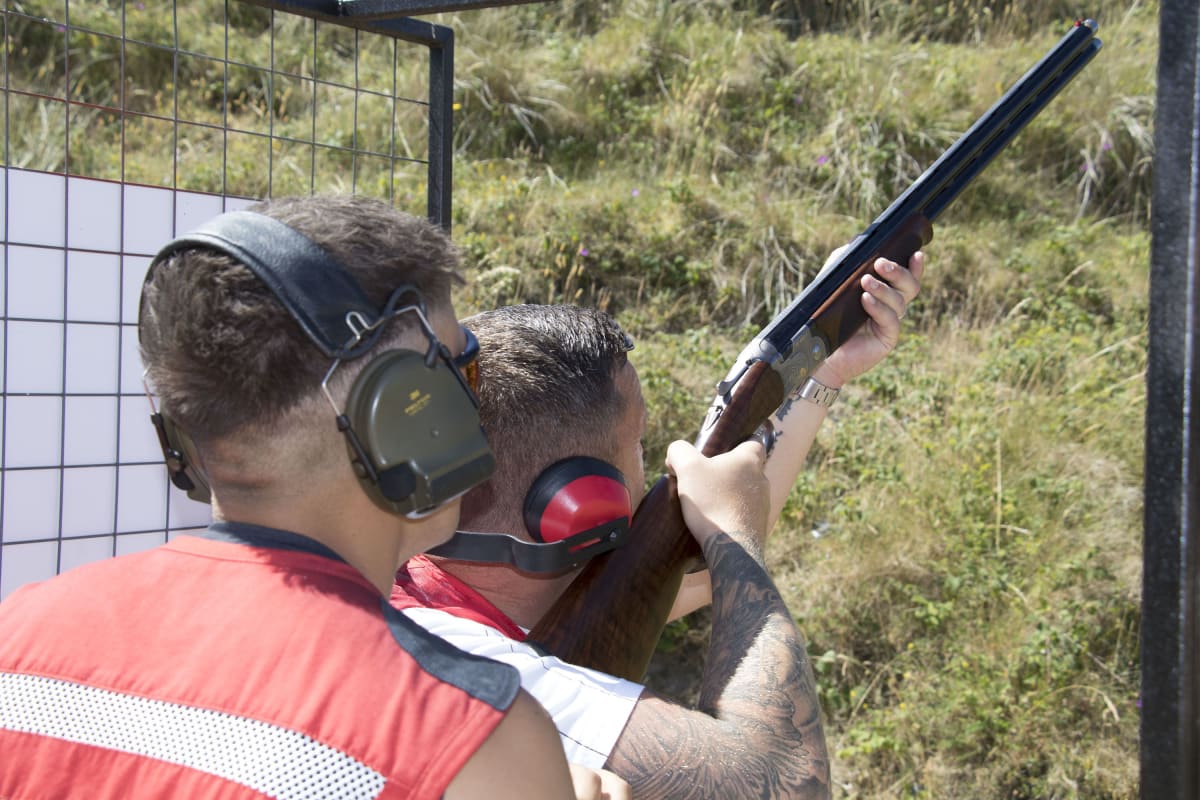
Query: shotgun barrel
x,y
611,616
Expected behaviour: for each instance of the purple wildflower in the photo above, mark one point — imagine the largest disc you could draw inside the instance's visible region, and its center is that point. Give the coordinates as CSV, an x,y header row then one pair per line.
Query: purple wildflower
x,y
822,160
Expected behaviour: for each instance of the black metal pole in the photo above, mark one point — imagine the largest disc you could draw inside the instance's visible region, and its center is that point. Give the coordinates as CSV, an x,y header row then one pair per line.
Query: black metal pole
x,y
1170,744
441,125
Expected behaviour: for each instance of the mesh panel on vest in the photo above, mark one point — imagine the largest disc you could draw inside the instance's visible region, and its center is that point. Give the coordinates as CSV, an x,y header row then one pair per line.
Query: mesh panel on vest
x,y
275,761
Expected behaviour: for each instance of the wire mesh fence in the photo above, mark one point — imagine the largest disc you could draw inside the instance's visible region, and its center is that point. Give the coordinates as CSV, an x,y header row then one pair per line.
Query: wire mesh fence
x,y
127,123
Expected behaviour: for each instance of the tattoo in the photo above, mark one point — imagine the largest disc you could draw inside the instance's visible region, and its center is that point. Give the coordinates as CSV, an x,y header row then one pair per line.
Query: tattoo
x,y
786,405
757,732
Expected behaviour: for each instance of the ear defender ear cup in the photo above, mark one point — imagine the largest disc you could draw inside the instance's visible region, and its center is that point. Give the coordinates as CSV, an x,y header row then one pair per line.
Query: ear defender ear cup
x,y
411,423
414,436
577,508
575,495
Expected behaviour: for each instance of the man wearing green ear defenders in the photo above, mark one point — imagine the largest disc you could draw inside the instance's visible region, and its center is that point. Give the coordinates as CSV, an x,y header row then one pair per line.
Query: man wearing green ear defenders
x,y
262,658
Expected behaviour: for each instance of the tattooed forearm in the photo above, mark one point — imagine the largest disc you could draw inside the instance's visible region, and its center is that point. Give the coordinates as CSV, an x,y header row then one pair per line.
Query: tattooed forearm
x,y
758,669
758,730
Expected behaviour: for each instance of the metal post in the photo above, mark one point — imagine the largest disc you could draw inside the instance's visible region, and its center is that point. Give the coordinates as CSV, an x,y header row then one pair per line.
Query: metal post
x,y
441,125
387,17
1170,624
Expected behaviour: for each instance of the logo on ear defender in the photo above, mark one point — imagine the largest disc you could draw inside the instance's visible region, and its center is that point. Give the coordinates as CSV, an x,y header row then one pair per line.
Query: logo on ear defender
x,y
418,402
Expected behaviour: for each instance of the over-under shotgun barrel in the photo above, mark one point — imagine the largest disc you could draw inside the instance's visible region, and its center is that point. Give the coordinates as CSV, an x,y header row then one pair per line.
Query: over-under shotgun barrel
x,y
611,616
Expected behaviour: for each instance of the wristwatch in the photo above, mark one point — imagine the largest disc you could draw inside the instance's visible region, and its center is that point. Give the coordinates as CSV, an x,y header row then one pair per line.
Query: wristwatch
x,y
814,391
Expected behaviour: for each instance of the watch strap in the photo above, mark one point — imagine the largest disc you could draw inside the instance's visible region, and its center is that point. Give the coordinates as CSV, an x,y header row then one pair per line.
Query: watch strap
x,y
816,392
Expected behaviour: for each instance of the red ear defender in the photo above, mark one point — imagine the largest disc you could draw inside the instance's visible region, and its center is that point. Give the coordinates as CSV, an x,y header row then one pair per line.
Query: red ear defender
x,y
575,495
576,509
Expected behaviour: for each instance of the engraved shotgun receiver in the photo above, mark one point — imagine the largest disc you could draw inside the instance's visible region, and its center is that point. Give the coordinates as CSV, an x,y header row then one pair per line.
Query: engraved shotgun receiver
x,y
612,614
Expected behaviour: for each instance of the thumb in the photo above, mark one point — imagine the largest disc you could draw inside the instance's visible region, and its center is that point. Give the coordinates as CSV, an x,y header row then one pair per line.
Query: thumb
x,y
752,450
585,781
680,453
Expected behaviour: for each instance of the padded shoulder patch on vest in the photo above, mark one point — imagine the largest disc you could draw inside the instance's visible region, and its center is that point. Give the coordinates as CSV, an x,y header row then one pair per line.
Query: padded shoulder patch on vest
x,y
482,678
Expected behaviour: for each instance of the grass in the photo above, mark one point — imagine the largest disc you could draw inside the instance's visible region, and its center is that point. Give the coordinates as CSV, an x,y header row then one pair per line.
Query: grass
x,y
963,552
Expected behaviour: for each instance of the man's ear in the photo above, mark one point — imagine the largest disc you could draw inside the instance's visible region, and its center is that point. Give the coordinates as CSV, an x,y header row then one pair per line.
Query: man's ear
x,y
184,465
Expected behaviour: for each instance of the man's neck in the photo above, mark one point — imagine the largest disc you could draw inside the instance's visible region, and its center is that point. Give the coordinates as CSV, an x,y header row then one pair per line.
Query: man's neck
x,y
523,598
346,521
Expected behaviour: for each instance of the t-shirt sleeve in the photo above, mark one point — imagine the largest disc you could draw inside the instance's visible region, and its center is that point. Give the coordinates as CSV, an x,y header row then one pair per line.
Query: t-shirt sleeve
x,y
589,708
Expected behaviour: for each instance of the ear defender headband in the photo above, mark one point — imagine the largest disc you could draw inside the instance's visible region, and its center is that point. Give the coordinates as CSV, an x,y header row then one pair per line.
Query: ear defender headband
x,y
411,422
577,508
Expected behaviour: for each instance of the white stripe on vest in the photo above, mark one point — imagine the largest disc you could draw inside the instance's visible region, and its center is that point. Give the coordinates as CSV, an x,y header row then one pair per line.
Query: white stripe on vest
x,y
275,761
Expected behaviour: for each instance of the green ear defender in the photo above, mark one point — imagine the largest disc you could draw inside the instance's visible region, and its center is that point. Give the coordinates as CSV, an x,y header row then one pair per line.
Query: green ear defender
x,y
411,422
416,421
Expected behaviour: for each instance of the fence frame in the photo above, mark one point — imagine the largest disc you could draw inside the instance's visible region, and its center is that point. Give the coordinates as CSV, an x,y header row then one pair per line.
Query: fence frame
x,y
1170,627
389,18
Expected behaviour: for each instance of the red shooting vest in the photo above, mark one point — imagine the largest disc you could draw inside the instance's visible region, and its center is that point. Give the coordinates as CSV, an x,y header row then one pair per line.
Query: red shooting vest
x,y
246,663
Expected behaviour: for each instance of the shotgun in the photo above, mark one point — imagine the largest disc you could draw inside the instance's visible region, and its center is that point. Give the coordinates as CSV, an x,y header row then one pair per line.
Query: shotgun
x,y
611,616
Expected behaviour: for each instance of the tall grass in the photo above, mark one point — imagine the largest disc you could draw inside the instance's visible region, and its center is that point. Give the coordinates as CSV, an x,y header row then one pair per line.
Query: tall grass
x,y
734,135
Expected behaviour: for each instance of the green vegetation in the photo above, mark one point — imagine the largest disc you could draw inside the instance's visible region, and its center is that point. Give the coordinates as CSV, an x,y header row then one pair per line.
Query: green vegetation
x,y
964,552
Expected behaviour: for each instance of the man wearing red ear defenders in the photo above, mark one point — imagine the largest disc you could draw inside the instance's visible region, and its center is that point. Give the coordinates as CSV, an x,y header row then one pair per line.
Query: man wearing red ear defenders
x,y
555,383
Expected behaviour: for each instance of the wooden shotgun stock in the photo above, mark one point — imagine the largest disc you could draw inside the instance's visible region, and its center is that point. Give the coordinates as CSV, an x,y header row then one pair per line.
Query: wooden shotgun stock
x,y
611,616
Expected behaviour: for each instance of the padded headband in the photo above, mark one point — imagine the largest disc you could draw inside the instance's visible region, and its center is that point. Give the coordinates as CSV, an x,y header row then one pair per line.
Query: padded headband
x,y
319,293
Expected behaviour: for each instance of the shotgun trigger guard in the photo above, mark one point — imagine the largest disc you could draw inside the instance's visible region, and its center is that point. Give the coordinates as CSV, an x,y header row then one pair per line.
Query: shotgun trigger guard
x,y
760,349
714,414
766,435
725,388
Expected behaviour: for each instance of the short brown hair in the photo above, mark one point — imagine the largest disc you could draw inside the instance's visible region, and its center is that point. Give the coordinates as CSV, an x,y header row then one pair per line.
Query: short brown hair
x,y
224,355
547,390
